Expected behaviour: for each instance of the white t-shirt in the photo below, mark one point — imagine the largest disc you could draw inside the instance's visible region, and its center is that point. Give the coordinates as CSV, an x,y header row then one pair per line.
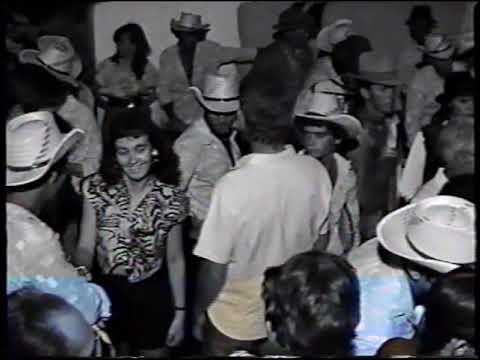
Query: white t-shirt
x,y
267,209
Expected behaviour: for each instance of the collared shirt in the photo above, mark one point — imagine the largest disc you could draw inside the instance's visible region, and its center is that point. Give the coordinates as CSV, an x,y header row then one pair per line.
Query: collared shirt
x,y
344,214
425,86
267,209
203,161
387,307
88,152
173,83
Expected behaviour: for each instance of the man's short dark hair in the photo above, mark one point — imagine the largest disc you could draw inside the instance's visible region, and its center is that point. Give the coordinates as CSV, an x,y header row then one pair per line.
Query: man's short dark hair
x,y
30,334
312,303
450,310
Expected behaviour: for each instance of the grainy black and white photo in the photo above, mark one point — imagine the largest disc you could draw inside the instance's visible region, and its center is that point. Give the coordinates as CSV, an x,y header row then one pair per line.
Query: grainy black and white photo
x,y
270,179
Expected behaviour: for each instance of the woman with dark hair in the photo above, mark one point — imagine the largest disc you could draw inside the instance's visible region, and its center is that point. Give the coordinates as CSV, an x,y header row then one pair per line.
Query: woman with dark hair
x,y
312,304
127,76
132,216
449,328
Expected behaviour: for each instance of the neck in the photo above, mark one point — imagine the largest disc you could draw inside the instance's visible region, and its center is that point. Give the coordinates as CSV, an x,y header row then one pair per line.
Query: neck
x,y
135,187
261,148
29,200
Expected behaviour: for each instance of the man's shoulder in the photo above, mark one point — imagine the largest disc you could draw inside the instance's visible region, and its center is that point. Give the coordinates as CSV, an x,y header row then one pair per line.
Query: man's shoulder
x,y
192,138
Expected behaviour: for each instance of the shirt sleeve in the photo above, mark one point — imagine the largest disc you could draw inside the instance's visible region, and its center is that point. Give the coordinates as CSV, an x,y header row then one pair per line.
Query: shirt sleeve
x,y
216,239
234,54
177,207
351,204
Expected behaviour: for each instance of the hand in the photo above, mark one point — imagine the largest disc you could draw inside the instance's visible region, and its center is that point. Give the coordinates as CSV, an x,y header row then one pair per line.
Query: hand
x,y
177,329
198,327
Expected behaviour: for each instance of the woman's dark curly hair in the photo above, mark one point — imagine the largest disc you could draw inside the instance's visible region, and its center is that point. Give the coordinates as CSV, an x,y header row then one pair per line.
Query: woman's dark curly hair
x,y
143,50
137,122
312,302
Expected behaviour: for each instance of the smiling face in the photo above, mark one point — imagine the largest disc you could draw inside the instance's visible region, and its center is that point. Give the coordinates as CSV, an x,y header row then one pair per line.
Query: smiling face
x,y
134,155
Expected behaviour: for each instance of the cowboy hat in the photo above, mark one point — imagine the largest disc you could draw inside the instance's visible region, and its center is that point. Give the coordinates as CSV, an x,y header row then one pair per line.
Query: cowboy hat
x,y
220,91
333,34
34,145
189,22
458,83
293,19
437,46
325,107
438,232
421,12
376,68
57,56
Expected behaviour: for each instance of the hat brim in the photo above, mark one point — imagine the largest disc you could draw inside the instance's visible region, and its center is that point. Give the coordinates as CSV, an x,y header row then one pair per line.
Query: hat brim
x,y
175,25
350,125
443,55
376,78
322,39
18,178
29,56
391,232
216,106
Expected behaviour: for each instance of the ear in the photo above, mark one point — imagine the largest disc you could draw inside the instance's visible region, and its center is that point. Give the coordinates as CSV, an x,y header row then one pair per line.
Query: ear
x,y
365,93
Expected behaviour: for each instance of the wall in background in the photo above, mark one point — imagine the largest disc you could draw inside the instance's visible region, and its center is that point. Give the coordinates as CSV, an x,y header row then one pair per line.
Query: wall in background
x,y
155,18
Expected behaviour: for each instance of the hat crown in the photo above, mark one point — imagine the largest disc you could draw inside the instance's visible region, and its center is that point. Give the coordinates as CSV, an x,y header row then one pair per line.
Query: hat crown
x,y
328,98
190,20
443,228
31,139
421,12
57,52
375,62
333,34
218,86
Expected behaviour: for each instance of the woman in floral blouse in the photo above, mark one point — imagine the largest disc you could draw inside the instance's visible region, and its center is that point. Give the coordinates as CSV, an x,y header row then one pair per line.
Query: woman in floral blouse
x,y
132,219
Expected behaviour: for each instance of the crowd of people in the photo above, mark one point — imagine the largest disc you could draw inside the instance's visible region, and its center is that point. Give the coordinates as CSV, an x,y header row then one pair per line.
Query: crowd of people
x,y
320,205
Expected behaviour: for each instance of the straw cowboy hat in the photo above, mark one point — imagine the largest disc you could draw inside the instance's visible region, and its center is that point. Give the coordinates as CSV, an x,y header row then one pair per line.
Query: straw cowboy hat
x,y
333,34
56,55
189,22
325,105
376,68
438,232
457,84
220,91
437,46
34,145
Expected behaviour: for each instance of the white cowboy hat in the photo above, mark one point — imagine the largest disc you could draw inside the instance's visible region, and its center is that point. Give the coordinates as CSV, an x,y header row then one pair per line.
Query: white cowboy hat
x,y
56,55
437,46
220,90
325,103
333,34
34,144
188,22
438,232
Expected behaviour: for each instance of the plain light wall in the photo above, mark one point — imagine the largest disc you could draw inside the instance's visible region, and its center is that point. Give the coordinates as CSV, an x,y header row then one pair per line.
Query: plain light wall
x,y
155,16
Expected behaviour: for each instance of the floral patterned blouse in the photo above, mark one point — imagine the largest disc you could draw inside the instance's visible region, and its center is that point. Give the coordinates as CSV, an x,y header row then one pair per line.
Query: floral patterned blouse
x,y
133,243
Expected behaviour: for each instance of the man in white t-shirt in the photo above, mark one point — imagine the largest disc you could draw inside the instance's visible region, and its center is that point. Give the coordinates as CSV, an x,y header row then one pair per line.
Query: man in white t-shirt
x,y
274,204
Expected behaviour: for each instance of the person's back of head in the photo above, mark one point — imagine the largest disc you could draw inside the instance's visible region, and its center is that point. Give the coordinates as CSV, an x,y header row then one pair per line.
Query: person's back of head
x,y
36,89
41,324
450,315
346,53
462,186
312,304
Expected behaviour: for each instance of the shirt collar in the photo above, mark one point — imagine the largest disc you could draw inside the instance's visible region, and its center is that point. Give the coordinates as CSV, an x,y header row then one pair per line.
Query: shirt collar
x,y
260,158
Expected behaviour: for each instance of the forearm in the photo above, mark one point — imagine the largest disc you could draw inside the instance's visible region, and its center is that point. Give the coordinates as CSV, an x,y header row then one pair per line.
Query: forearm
x,y
176,270
210,284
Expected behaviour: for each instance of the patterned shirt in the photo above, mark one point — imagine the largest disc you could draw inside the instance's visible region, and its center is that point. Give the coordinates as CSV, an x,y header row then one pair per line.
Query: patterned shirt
x,y
133,243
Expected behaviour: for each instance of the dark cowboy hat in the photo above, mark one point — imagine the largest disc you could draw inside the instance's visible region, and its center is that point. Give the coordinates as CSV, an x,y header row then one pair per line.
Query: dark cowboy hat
x,y
457,84
421,12
293,19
